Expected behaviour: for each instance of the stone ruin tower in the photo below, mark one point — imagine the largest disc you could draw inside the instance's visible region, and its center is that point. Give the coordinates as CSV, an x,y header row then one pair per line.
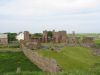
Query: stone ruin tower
x,y
45,36
59,37
26,36
56,37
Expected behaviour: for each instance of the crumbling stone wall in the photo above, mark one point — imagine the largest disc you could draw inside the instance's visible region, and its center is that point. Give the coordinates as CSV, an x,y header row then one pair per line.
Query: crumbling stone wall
x,y
63,36
56,37
26,36
46,64
45,36
59,37
74,41
88,41
3,41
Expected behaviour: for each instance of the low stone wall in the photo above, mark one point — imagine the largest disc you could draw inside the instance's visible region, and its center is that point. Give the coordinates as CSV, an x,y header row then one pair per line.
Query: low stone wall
x,y
46,64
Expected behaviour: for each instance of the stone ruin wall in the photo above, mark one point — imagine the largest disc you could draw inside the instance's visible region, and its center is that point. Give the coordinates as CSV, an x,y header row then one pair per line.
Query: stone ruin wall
x,y
3,41
45,64
59,37
88,41
45,36
56,37
26,36
63,35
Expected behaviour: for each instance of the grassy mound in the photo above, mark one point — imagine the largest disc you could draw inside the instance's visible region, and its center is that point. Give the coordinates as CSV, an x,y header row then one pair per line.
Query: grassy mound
x,y
97,41
72,58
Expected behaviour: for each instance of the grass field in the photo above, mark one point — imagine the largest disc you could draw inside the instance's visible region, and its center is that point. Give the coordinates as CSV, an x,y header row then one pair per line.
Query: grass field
x,y
97,41
73,61
73,58
10,49
9,61
61,73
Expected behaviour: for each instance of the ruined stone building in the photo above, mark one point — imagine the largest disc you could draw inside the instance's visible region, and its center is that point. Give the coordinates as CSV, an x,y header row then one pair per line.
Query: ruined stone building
x,y
35,39
3,39
73,39
59,37
88,41
36,42
30,42
45,36
63,36
26,36
56,37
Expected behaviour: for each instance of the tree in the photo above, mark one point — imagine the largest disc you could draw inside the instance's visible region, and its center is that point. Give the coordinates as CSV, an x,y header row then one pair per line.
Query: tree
x,y
50,34
36,35
11,37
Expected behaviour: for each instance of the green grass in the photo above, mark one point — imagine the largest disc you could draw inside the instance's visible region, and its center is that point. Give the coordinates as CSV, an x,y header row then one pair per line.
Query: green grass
x,y
73,58
61,73
9,61
10,49
97,41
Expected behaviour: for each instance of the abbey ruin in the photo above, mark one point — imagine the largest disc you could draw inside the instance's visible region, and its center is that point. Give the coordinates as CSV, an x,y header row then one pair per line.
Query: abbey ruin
x,y
58,37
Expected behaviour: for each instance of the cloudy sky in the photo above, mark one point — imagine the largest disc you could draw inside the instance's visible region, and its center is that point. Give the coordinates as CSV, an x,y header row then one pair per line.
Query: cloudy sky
x,y
37,15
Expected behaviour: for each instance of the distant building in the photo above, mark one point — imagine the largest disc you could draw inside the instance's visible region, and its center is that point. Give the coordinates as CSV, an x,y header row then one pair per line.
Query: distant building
x,y
45,36
20,36
23,36
3,39
59,37
26,36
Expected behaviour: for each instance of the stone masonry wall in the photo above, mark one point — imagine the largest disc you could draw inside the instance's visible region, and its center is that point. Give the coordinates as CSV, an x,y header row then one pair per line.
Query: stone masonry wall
x,y
45,36
46,64
26,36
59,37
3,41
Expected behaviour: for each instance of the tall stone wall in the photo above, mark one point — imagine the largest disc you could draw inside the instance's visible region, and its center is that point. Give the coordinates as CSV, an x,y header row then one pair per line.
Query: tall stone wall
x,y
56,37
46,64
45,36
59,37
26,36
3,41
63,35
